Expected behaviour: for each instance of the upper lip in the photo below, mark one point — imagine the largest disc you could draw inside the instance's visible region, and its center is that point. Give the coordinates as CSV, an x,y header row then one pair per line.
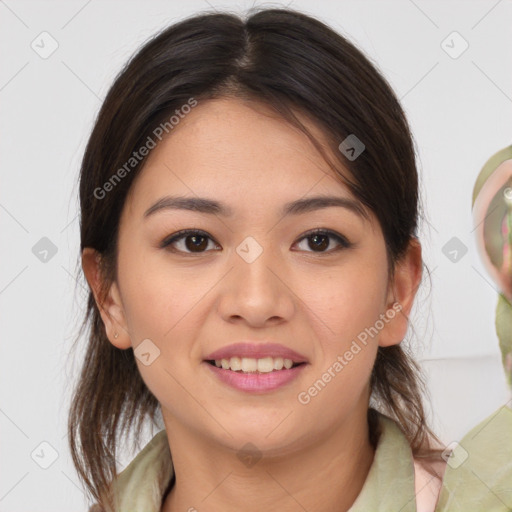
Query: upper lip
x,y
256,351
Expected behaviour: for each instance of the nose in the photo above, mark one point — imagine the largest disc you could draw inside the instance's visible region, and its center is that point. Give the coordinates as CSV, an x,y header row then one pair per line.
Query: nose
x,y
256,291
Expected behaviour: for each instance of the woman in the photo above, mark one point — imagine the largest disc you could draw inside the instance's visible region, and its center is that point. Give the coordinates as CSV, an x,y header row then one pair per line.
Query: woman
x,y
249,209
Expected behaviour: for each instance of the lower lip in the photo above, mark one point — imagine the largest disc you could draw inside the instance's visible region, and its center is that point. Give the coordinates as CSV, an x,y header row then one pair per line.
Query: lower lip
x,y
256,382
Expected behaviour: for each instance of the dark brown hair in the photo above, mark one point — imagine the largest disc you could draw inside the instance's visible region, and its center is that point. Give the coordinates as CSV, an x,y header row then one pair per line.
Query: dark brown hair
x,y
292,63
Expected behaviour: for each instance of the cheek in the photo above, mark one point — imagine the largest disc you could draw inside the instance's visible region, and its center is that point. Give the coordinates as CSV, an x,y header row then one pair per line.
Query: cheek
x,y
157,298
346,302
344,305
161,305
344,309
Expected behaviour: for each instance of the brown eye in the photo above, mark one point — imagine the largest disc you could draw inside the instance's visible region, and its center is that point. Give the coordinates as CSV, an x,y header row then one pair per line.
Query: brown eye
x,y
319,240
196,243
188,241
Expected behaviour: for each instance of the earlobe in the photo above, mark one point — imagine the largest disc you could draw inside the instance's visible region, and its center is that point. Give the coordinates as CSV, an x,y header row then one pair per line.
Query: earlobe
x,y
401,294
110,305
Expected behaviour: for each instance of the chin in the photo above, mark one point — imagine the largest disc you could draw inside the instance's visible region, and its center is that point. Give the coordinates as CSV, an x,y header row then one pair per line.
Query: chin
x,y
267,435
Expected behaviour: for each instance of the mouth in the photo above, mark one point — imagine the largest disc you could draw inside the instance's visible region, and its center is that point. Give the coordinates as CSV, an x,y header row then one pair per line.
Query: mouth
x,y
256,376
255,366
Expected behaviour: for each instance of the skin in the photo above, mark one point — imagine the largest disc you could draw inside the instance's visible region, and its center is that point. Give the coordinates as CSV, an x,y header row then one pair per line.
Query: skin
x,y
315,302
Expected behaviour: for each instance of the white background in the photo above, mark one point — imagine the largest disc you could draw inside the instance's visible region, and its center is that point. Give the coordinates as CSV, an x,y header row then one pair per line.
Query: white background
x,y
460,112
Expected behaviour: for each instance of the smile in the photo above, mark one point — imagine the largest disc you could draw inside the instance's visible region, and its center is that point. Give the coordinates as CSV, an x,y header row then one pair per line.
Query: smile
x,y
252,365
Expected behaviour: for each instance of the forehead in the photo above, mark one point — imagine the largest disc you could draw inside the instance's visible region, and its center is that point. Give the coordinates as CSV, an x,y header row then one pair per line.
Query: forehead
x,y
239,151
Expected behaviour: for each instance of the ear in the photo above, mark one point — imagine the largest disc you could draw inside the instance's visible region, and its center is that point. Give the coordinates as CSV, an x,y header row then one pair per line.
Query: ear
x,y
111,308
402,289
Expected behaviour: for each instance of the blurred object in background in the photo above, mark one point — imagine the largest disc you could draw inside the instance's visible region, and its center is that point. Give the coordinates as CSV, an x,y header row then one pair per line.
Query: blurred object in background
x,y
492,211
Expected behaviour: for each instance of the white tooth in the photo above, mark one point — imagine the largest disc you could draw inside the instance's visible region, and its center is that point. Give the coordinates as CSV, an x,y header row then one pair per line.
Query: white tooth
x,y
249,364
278,363
265,365
235,364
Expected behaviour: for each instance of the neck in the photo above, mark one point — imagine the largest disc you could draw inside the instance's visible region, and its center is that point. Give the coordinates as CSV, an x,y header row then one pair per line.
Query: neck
x,y
323,475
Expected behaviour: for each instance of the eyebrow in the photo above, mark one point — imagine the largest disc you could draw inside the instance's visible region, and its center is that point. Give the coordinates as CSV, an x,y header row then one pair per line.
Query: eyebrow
x,y
212,207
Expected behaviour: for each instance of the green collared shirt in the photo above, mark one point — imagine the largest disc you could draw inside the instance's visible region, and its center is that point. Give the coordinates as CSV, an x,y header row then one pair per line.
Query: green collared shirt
x,y
478,475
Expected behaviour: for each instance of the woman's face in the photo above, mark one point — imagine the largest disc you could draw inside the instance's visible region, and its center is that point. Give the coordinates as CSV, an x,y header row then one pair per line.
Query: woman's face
x,y
252,275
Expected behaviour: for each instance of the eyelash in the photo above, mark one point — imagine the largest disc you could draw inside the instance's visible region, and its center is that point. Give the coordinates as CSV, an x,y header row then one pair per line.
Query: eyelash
x,y
342,241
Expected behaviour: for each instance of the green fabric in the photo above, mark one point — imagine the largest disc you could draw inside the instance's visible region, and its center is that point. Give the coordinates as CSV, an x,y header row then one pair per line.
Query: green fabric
x,y
480,478
141,485
389,485
504,332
